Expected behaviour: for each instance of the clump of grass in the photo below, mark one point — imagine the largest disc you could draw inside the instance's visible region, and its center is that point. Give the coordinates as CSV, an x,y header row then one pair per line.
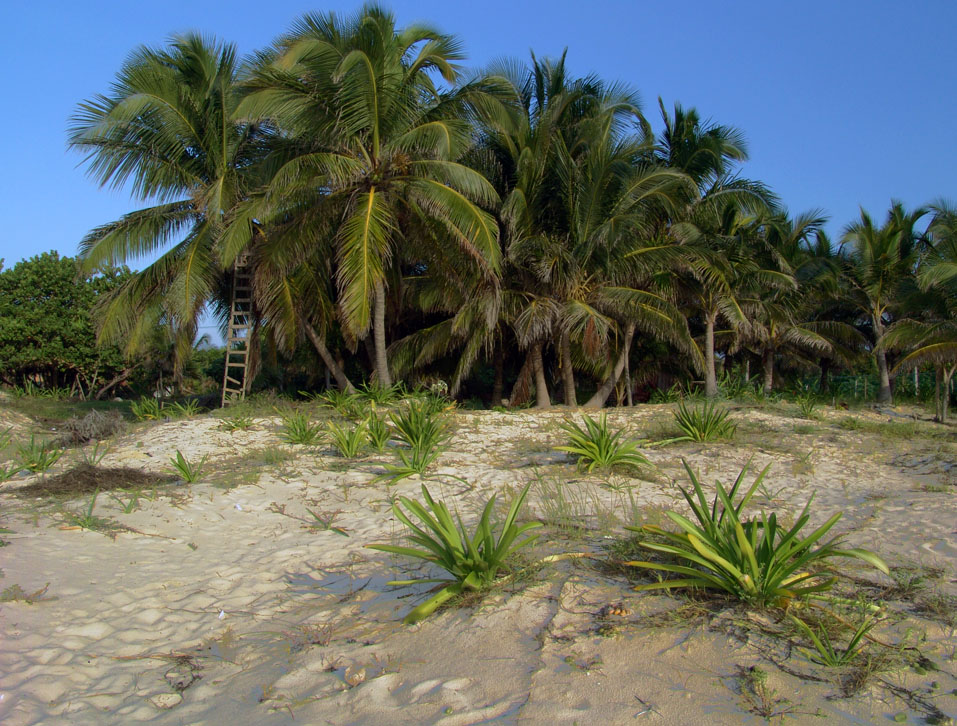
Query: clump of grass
x,y
706,422
95,454
473,562
87,520
189,471
755,560
594,445
239,422
379,395
297,429
37,457
348,441
147,409
807,405
348,405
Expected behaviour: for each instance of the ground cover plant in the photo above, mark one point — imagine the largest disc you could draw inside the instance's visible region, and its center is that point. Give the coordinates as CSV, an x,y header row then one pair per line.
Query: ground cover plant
x,y
424,431
348,440
754,559
473,561
189,471
37,457
594,445
298,429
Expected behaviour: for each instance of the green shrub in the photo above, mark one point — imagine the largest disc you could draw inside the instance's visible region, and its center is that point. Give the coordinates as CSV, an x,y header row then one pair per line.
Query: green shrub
x,y
595,446
472,561
756,560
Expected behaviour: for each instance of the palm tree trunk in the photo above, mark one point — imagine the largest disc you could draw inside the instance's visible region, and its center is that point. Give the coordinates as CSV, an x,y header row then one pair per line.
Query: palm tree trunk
x,y
710,379
520,390
331,365
498,385
378,332
568,373
542,399
948,374
767,363
601,395
938,404
884,392
825,383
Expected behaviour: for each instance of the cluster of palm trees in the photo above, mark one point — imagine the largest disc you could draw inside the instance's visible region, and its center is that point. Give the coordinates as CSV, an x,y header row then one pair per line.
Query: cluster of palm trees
x,y
405,218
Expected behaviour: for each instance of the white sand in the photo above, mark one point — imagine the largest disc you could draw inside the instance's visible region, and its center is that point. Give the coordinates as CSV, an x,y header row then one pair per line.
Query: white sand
x,y
219,609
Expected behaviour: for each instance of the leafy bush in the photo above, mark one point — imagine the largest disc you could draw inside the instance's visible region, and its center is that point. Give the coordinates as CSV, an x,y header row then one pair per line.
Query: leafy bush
x,y
473,562
296,428
94,426
348,441
147,409
37,457
703,423
755,559
595,446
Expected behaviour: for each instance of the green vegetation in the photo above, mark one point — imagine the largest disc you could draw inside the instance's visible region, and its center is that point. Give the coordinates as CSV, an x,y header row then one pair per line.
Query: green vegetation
x,y
348,440
706,422
595,446
297,428
472,561
424,432
189,471
37,457
755,559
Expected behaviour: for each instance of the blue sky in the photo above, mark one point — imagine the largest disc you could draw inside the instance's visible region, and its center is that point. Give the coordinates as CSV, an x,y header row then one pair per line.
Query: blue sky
x,y
844,104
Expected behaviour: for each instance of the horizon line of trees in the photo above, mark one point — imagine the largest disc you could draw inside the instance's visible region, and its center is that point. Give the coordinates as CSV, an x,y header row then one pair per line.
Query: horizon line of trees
x,y
517,226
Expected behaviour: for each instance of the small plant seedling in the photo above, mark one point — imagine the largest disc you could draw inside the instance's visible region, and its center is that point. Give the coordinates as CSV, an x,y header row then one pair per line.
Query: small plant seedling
x,y
325,523
128,507
15,593
424,432
87,520
188,471
95,454
8,471
826,653
37,457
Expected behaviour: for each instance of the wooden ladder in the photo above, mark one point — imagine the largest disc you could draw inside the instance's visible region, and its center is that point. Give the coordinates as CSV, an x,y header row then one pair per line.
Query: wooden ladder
x,y
237,335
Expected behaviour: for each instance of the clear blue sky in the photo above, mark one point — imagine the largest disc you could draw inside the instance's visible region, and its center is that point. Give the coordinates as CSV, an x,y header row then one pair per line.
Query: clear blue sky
x,y
844,103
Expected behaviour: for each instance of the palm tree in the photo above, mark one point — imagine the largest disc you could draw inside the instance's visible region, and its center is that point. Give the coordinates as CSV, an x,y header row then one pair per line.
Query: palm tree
x,y
878,264
169,132
929,332
369,155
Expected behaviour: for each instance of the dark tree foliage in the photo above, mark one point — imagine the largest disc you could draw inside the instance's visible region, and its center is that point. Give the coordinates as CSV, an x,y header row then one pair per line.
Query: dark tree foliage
x,y
47,329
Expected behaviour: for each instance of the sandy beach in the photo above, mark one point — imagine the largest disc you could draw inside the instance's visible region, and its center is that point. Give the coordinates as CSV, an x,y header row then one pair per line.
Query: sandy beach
x,y
228,601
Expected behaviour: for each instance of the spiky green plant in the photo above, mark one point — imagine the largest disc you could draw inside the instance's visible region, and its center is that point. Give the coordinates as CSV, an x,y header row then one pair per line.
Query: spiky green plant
x,y
185,409
188,470
37,457
238,422
807,404
93,455
594,445
379,395
472,561
706,422
827,654
419,427
348,440
756,560
344,404
146,409
378,431
297,429
8,471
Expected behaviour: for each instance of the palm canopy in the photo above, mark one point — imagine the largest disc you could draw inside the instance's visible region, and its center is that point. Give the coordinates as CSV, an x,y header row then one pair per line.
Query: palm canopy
x,y
168,130
879,263
369,159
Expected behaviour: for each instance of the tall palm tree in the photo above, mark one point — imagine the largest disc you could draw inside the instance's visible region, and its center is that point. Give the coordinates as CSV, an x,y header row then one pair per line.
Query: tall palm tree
x,y
879,262
370,155
168,131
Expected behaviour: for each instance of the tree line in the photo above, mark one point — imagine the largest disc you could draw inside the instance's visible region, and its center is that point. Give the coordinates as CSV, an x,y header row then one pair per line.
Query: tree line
x,y
518,229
